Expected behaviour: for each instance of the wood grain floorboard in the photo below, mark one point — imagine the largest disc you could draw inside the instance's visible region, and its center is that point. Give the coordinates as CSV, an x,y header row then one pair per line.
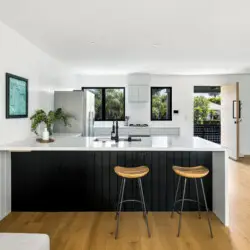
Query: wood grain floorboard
x,y
95,230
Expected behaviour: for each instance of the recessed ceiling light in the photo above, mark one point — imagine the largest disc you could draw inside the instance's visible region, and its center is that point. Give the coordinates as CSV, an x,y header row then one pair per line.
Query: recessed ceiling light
x,y
155,45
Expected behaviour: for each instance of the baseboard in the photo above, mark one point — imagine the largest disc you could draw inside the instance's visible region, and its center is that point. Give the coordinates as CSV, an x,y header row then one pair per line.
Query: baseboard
x,y
246,156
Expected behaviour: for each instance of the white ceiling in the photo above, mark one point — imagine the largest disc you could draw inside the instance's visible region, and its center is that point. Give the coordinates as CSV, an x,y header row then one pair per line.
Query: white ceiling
x,y
154,36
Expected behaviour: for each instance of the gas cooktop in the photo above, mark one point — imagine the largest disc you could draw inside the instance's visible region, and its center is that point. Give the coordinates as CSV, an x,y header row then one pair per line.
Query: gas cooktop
x,y
138,125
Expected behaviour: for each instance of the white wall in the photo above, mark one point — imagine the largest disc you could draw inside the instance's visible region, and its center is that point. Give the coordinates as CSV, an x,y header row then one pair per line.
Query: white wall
x,y
19,57
182,99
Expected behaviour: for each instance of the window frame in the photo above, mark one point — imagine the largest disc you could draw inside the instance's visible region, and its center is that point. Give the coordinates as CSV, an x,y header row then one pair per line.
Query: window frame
x,y
104,102
169,102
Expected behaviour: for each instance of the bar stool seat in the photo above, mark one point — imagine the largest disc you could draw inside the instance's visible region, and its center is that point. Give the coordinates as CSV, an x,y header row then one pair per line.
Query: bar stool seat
x,y
131,173
191,172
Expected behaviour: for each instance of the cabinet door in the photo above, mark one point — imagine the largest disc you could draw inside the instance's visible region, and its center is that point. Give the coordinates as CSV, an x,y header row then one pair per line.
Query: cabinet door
x,y
123,131
143,93
102,131
139,131
164,131
133,94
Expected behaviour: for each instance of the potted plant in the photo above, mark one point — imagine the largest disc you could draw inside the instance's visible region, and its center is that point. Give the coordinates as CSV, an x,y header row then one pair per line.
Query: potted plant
x,y
48,119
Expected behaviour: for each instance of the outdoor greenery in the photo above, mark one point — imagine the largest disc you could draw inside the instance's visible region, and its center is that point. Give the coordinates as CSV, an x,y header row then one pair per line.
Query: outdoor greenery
x,y
49,119
98,104
114,104
202,111
215,99
160,103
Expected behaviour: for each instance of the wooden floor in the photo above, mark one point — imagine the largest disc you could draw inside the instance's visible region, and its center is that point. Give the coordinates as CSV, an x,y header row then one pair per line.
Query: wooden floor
x,y
80,231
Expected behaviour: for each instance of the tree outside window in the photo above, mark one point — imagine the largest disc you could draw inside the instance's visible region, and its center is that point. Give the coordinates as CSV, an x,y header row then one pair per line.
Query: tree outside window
x,y
109,103
161,103
206,109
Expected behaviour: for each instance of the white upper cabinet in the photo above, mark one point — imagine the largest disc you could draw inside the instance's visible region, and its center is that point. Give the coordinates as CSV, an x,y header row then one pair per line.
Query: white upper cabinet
x,y
138,93
133,94
143,93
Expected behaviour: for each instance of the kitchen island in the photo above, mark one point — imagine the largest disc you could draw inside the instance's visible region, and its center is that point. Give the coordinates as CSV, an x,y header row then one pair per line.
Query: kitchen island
x,y
76,173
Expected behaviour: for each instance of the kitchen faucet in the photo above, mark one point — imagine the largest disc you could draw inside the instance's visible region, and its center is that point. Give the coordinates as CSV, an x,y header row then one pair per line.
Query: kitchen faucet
x,y
115,132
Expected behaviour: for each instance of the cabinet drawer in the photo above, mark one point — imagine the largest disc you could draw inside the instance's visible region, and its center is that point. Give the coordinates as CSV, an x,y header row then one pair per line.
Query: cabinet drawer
x,y
123,131
165,131
139,131
102,131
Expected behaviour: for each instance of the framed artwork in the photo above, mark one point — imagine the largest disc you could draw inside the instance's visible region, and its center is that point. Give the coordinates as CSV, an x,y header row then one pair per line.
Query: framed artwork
x,y
16,96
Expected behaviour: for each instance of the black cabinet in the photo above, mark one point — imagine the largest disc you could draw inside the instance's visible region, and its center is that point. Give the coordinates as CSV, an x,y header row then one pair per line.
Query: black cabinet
x,y
85,180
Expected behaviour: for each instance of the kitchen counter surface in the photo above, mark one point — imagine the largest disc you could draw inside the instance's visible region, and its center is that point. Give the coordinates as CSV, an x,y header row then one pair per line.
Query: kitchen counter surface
x,y
74,142
121,126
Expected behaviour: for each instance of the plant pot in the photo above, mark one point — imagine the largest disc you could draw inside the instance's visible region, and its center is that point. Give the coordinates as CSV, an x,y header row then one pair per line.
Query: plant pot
x,y
45,135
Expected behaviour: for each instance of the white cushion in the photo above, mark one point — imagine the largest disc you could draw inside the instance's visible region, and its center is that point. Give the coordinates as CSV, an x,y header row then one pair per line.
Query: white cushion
x,y
18,241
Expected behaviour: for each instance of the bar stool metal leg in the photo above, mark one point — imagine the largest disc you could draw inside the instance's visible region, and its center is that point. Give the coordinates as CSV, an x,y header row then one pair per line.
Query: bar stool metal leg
x,y
205,200
143,205
119,198
198,198
120,208
176,193
182,204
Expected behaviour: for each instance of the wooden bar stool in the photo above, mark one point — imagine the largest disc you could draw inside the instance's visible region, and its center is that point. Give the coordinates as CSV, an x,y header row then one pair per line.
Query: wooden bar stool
x,y
131,173
195,173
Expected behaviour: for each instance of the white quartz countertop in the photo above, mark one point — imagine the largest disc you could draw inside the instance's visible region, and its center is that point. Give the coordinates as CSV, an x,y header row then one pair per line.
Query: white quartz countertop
x,y
106,126
74,142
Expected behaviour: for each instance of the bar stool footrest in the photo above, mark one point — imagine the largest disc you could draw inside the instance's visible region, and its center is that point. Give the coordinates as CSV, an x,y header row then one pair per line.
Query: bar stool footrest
x,y
130,201
190,200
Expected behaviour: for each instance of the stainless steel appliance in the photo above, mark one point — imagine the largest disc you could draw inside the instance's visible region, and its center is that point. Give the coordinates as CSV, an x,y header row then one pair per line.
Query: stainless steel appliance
x,y
80,104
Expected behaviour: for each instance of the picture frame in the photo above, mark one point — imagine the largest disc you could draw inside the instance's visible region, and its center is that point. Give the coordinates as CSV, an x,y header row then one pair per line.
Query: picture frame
x,y
16,96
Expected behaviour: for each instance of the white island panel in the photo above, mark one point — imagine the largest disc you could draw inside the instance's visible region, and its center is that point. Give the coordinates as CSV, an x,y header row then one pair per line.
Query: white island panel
x,y
5,184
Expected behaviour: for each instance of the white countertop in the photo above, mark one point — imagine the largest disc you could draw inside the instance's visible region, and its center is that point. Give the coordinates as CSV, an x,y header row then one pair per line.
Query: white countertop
x,y
74,142
106,126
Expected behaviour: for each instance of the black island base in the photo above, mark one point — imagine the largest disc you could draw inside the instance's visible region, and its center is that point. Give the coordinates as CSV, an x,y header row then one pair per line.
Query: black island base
x,y
85,180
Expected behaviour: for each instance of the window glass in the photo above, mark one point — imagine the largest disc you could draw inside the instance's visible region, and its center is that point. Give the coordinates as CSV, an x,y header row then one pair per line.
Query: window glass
x,y
114,104
109,103
161,103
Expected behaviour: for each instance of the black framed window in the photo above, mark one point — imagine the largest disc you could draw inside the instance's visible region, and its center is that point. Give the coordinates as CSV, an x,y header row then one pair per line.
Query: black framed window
x,y
109,103
161,103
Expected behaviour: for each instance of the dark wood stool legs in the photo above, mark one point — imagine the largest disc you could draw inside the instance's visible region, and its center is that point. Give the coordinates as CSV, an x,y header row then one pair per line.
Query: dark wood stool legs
x,y
121,201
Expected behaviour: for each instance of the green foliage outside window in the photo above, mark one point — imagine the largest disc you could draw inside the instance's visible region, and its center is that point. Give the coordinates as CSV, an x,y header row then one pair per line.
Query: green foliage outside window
x,y
114,106
215,99
160,103
98,104
113,103
202,111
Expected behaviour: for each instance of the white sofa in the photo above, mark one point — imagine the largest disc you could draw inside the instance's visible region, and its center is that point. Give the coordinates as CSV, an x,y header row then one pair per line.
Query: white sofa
x,y
20,241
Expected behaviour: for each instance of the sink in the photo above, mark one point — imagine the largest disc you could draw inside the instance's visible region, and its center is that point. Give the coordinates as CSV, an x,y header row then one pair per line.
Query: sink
x,y
105,139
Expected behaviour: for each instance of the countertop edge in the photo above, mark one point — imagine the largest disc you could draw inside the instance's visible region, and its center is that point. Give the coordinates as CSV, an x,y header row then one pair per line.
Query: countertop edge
x,y
72,143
